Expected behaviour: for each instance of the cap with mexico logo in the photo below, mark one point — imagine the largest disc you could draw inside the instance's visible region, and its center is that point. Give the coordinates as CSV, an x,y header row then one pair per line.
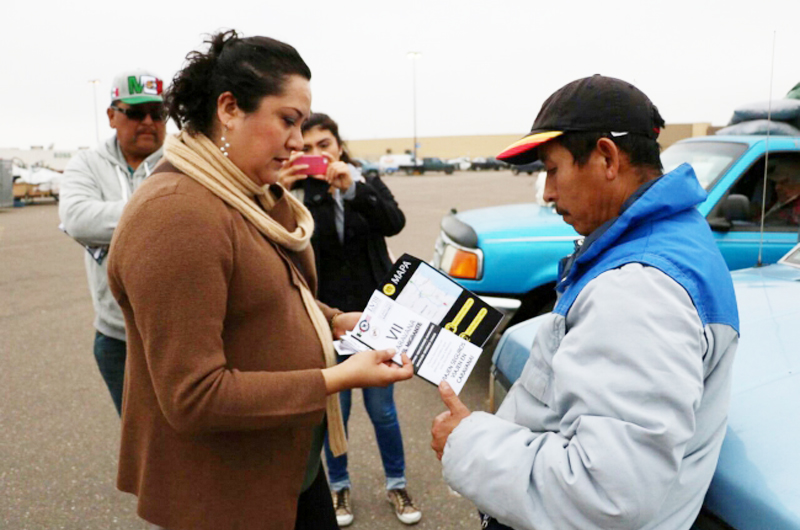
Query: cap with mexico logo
x,y
592,104
137,86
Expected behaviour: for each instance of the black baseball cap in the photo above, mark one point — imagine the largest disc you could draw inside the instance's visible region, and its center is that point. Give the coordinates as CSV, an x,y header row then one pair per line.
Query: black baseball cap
x,y
592,104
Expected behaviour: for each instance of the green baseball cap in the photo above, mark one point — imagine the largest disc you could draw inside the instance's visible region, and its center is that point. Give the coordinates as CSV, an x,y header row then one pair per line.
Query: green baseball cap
x,y
137,86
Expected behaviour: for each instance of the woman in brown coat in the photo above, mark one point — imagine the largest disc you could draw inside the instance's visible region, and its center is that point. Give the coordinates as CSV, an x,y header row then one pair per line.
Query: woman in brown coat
x,y
231,377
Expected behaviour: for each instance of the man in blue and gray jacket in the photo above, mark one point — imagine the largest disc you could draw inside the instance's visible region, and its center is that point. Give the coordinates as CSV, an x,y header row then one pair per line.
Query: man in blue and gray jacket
x,y
96,186
619,414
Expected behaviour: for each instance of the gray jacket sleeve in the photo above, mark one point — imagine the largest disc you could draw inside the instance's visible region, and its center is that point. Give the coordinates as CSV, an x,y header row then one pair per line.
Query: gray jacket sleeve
x,y
595,437
86,212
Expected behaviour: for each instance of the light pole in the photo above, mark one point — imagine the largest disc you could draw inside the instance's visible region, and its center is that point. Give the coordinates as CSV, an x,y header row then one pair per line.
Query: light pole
x,y
413,56
94,83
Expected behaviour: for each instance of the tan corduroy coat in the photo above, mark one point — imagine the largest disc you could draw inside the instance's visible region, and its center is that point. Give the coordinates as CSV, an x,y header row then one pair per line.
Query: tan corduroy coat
x,y
223,382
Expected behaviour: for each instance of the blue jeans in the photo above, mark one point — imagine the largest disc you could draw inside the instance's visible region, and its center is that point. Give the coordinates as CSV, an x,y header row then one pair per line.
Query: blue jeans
x,y
379,403
110,355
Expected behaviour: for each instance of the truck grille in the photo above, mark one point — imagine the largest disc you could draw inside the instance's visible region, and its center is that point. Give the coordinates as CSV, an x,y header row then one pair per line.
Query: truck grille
x,y
438,250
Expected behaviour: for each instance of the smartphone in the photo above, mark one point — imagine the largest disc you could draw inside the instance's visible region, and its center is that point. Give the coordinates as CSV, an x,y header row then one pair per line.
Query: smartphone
x,y
317,165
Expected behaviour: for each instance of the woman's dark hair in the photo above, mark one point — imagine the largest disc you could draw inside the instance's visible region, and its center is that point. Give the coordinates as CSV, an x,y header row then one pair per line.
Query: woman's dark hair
x,y
250,68
326,123
644,153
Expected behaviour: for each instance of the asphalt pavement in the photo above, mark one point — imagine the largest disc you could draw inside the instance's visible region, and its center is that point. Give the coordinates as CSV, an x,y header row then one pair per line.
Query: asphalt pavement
x,y
59,431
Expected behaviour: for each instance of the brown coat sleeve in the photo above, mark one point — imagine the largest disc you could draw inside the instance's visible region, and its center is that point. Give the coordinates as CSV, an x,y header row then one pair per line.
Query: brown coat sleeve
x,y
170,269
328,311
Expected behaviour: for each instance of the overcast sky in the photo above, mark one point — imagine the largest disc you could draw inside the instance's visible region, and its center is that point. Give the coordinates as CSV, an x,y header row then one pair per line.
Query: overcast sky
x,y
486,66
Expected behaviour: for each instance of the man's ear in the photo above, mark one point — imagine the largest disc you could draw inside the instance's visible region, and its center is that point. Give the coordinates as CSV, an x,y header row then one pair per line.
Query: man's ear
x,y
110,113
610,155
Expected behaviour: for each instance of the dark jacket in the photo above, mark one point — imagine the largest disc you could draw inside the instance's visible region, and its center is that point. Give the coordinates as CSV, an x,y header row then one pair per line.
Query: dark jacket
x,y
350,271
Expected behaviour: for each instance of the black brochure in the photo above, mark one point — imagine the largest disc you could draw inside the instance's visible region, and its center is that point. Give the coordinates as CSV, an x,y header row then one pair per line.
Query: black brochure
x,y
423,313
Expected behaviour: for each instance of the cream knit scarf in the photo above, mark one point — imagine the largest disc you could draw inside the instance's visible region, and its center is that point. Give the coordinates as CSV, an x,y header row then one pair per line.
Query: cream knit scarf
x,y
200,159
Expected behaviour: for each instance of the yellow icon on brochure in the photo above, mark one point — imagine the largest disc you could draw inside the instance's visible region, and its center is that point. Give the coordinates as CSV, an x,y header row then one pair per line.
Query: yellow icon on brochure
x,y
389,289
453,326
467,335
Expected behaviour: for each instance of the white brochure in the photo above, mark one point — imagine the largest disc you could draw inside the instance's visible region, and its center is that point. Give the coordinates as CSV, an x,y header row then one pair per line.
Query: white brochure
x,y
436,353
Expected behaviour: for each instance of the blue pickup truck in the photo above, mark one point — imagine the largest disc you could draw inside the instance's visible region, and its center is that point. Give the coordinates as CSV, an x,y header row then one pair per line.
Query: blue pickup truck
x,y
509,254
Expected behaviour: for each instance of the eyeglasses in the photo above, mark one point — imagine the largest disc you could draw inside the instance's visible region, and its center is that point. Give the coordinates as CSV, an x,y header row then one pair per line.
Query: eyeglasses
x,y
139,114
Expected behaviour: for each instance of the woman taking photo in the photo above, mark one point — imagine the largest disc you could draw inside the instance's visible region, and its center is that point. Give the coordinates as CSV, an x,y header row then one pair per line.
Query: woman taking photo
x,y
352,218
231,376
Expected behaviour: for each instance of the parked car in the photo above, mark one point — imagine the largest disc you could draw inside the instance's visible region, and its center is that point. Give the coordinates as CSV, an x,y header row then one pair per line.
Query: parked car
x,y
427,164
368,169
533,167
462,163
388,164
510,253
755,485
488,163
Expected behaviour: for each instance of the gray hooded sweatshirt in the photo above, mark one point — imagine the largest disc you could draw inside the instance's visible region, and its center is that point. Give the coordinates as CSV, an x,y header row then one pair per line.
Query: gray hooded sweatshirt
x,y
97,183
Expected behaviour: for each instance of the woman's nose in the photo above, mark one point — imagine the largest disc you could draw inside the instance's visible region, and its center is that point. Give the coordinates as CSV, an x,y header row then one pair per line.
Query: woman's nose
x,y
295,141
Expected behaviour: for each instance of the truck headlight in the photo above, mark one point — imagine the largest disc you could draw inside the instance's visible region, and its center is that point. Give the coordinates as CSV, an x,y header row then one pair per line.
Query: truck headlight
x,y
460,263
456,260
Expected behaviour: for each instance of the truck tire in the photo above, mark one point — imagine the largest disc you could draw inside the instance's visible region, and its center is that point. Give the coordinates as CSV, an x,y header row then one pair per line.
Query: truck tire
x,y
448,171
515,171
409,171
537,302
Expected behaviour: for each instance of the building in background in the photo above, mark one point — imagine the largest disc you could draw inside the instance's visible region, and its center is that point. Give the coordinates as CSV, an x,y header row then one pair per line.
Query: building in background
x,y
489,145
441,146
38,156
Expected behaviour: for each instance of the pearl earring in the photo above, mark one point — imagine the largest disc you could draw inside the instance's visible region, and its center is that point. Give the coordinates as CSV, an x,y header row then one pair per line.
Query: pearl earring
x,y
225,145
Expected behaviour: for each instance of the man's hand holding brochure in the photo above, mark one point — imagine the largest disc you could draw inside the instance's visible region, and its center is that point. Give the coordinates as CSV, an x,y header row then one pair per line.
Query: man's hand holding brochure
x,y
420,312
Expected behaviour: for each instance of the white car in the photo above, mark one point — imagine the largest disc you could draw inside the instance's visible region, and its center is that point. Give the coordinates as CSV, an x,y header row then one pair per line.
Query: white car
x,y
389,163
462,163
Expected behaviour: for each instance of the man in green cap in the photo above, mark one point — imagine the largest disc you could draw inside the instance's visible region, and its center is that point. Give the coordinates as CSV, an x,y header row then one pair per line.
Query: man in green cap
x,y
97,184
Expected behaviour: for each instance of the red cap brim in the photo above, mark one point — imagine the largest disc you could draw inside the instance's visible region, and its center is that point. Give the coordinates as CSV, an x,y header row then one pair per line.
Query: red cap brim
x,y
515,153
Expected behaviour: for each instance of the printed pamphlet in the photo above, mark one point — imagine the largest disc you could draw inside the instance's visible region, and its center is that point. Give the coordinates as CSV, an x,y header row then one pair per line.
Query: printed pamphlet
x,y
423,313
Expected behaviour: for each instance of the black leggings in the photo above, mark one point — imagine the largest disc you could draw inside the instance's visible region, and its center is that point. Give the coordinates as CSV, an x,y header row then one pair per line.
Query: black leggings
x,y
490,523
315,506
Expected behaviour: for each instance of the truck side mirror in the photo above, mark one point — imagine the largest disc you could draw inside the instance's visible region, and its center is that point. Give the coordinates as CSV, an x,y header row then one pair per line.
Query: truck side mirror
x,y
736,208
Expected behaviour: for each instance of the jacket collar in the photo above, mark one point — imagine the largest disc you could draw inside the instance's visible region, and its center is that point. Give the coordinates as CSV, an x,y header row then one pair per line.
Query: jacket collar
x,y
112,152
674,192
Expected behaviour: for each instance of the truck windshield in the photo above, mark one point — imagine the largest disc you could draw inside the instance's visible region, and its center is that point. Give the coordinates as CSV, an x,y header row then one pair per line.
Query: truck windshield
x,y
709,159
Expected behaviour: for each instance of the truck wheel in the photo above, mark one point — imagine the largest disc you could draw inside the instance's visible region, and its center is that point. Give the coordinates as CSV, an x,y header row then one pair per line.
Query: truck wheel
x,y
448,171
409,172
539,301
515,171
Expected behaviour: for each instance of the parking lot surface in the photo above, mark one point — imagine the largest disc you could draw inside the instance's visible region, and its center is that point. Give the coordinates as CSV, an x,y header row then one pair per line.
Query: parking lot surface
x,y
59,432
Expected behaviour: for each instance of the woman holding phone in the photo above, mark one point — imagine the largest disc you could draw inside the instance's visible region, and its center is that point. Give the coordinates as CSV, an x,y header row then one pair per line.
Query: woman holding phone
x,y
231,377
352,216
